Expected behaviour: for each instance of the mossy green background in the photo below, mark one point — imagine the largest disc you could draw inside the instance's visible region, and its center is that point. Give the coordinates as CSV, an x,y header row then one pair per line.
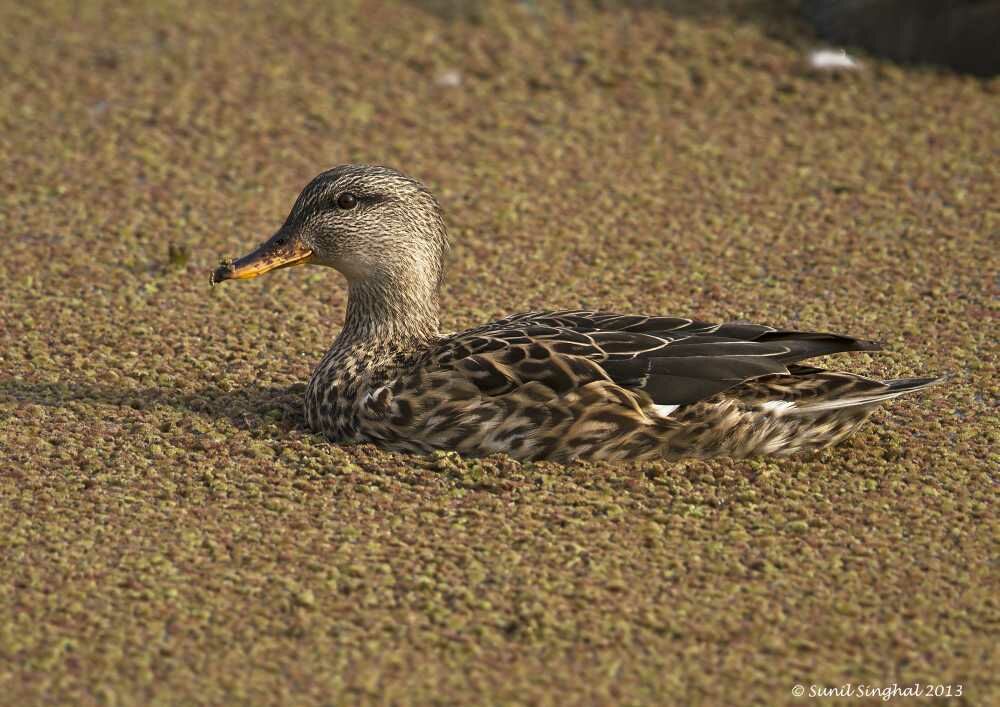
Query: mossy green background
x,y
169,532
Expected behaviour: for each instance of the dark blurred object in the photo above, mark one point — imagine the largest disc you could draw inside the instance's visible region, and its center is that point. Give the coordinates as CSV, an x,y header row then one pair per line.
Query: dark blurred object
x,y
962,34
178,256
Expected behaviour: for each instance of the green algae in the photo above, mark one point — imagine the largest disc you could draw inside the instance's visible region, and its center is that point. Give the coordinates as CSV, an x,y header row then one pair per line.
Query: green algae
x,y
172,533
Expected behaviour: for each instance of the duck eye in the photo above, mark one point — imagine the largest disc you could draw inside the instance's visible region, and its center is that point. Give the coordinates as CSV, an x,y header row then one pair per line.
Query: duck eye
x,y
347,201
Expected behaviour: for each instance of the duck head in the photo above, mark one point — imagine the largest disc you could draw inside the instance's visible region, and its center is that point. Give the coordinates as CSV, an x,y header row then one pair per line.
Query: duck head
x,y
381,229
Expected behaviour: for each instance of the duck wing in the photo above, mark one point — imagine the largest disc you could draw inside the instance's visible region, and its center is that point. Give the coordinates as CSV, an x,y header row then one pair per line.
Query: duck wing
x,y
672,360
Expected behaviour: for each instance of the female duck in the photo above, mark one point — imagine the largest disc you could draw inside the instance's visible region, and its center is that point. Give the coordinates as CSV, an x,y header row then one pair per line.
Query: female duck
x,y
541,385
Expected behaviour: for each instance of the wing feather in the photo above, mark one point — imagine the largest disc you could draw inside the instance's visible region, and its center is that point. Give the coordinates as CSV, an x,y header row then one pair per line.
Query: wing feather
x,y
674,361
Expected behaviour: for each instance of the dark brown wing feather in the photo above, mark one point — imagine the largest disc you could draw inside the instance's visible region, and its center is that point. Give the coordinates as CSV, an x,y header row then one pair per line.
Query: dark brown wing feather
x,y
673,361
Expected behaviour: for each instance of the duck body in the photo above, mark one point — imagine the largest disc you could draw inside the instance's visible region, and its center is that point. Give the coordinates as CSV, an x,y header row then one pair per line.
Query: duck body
x,y
561,385
597,386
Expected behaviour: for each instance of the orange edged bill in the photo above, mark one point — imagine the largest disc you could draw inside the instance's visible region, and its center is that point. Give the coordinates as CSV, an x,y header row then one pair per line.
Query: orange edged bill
x,y
281,251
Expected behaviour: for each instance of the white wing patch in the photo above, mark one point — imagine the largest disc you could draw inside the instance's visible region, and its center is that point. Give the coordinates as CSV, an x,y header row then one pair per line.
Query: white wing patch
x,y
665,410
779,407
832,60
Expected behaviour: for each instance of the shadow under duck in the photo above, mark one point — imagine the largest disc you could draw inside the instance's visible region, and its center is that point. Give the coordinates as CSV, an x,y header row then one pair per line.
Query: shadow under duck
x,y
559,385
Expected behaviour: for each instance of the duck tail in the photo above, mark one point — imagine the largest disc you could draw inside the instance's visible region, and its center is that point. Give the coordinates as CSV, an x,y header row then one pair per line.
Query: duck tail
x,y
893,389
906,385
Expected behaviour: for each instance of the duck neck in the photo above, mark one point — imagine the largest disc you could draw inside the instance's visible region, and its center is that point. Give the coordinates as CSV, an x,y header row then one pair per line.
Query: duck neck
x,y
388,313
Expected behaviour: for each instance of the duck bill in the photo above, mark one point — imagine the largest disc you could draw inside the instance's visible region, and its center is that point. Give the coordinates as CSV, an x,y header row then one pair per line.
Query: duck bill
x,y
280,251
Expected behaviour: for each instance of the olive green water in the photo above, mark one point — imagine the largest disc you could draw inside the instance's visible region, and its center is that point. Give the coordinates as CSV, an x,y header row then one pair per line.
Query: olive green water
x,y
169,532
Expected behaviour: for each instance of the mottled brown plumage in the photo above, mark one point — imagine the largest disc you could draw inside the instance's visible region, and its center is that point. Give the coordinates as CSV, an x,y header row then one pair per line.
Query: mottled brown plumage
x,y
540,385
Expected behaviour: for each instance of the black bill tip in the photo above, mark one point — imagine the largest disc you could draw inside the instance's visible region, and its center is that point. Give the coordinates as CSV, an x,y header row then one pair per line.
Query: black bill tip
x,y
221,273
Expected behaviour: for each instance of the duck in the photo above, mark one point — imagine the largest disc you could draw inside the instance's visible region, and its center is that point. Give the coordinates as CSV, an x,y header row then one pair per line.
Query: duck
x,y
561,385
